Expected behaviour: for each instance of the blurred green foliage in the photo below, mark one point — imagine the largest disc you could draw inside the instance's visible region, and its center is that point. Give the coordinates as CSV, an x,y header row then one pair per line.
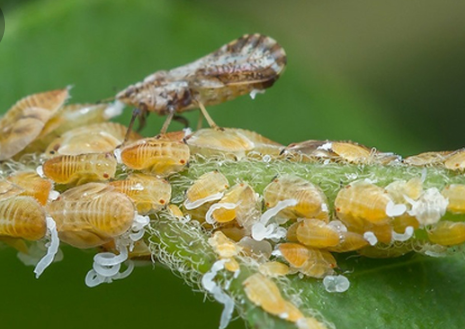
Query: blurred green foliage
x,y
388,75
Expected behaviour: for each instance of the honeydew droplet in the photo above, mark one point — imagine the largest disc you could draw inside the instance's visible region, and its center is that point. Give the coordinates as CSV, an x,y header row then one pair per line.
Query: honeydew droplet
x,y
260,231
257,247
429,208
117,153
395,210
209,218
338,226
110,259
326,147
228,303
267,215
140,222
370,237
127,272
408,233
336,283
40,171
187,131
113,110
219,295
137,235
324,207
197,203
351,176
255,92
106,271
52,248
93,279
137,187
266,158
434,254
53,195
106,267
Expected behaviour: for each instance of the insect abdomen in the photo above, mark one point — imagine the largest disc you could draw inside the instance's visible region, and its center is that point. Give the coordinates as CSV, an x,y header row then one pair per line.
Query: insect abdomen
x,y
22,217
92,220
157,156
66,169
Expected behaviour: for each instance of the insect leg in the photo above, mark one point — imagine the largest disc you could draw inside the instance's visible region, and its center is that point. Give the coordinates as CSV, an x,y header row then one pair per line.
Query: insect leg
x,y
200,121
181,120
135,113
210,121
140,112
167,122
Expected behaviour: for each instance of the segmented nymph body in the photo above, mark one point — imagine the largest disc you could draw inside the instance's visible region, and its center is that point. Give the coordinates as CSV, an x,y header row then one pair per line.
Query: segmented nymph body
x,y
312,262
221,142
22,217
149,193
456,161
208,187
82,168
72,116
93,138
273,269
231,143
240,202
311,201
156,156
249,64
341,151
263,292
24,122
33,185
455,193
361,206
427,158
91,214
447,233
316,233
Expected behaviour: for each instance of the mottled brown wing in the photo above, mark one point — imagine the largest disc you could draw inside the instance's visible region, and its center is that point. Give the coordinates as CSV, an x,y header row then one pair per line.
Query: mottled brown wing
x,y
249,64
253,59
26,119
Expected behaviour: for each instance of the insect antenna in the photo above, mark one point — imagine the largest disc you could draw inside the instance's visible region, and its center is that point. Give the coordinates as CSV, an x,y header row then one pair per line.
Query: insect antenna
x,y
135,113
105,100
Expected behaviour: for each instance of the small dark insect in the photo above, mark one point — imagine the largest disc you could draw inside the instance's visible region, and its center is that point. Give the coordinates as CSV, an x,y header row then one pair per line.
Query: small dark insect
x,y
247,65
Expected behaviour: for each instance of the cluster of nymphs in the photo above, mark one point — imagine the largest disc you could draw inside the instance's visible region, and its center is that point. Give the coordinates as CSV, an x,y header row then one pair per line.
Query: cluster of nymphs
x,y
68,175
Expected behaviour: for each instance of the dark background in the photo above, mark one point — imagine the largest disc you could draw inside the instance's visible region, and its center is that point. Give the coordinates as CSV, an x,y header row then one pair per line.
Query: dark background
x,y
385,74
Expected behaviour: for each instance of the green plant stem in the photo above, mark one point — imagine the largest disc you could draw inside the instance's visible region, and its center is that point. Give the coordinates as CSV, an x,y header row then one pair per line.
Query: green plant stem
x,y
184,248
